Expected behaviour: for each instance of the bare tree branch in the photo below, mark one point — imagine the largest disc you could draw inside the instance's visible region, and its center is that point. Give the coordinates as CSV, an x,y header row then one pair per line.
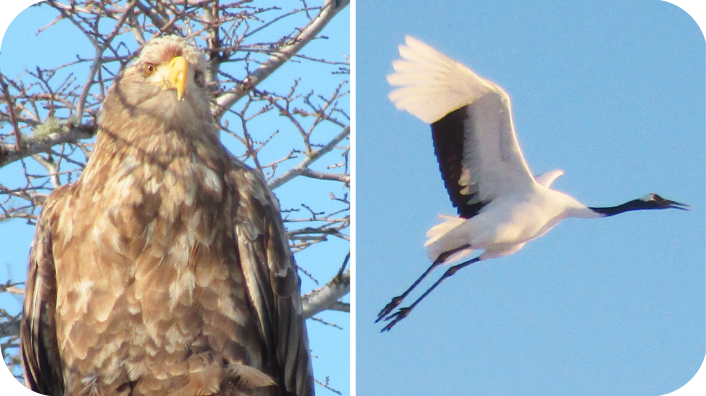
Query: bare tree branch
x,y
58,133
310,159
280,56
327,297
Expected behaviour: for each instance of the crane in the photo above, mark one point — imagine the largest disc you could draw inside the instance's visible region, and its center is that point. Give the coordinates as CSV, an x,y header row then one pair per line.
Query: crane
x,y
501,205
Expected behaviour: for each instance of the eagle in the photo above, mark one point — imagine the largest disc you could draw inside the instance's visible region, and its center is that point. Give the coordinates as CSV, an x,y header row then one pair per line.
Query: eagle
x,y
164,269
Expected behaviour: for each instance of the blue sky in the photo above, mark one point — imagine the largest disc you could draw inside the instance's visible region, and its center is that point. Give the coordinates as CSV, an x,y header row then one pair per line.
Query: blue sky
x,y
330,345
612,92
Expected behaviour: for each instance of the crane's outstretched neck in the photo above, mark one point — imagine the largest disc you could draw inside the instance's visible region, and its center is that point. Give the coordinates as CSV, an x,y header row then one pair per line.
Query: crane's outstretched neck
x,y
650,201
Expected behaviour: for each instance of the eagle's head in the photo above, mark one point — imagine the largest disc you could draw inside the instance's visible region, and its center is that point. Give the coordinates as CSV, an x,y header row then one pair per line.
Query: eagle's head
x,y
166,81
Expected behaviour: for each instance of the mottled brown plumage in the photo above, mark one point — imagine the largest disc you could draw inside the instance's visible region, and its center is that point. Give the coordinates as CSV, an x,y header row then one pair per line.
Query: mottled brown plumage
x,y
164,269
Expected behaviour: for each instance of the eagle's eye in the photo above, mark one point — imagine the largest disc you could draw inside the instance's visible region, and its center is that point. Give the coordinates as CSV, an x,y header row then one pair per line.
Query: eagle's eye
x,y
198,78
148,69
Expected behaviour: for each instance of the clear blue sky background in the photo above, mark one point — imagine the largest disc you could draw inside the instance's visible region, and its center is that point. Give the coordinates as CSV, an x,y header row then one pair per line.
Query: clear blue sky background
x,y
21,49
612,92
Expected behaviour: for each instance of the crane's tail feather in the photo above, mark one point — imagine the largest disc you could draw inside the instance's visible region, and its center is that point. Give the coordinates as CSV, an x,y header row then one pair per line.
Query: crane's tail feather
x,y
442,239
431,85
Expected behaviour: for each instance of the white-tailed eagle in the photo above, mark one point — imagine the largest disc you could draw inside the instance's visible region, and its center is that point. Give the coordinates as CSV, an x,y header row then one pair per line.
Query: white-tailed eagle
x,y
164,269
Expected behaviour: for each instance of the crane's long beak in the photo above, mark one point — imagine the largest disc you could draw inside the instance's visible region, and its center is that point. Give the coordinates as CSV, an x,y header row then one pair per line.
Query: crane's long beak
x,y
677,205
178,72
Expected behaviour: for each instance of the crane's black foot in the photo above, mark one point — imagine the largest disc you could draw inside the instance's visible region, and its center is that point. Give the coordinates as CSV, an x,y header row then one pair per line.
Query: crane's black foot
x,y
396,317
389,307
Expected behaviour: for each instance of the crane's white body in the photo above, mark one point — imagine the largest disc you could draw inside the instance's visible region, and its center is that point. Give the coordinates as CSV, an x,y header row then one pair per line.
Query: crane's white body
x,y
519,207
504,225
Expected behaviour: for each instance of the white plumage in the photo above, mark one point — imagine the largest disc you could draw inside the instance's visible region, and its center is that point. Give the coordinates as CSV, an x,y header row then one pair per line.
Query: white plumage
x,y
501,205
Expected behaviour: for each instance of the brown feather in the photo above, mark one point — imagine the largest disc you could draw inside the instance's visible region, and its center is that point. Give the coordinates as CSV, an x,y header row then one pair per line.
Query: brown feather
x,y
164,269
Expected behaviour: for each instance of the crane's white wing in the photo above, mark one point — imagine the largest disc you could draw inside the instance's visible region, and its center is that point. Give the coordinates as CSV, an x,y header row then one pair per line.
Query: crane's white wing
x,y
546,179
474,138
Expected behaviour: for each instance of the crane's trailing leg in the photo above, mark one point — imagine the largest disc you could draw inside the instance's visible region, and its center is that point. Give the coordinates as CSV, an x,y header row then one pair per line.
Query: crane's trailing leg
x,y
403,312
398,300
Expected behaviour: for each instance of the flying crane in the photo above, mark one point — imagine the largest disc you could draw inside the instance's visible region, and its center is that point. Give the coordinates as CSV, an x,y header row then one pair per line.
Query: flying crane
x,y
501,205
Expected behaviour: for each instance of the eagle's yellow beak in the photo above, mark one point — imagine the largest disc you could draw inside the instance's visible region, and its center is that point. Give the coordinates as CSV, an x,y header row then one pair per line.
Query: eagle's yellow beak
x,y
178,72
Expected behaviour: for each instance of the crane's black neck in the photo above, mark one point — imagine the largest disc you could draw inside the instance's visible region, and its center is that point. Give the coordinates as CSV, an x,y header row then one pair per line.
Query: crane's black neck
x,y
636,204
